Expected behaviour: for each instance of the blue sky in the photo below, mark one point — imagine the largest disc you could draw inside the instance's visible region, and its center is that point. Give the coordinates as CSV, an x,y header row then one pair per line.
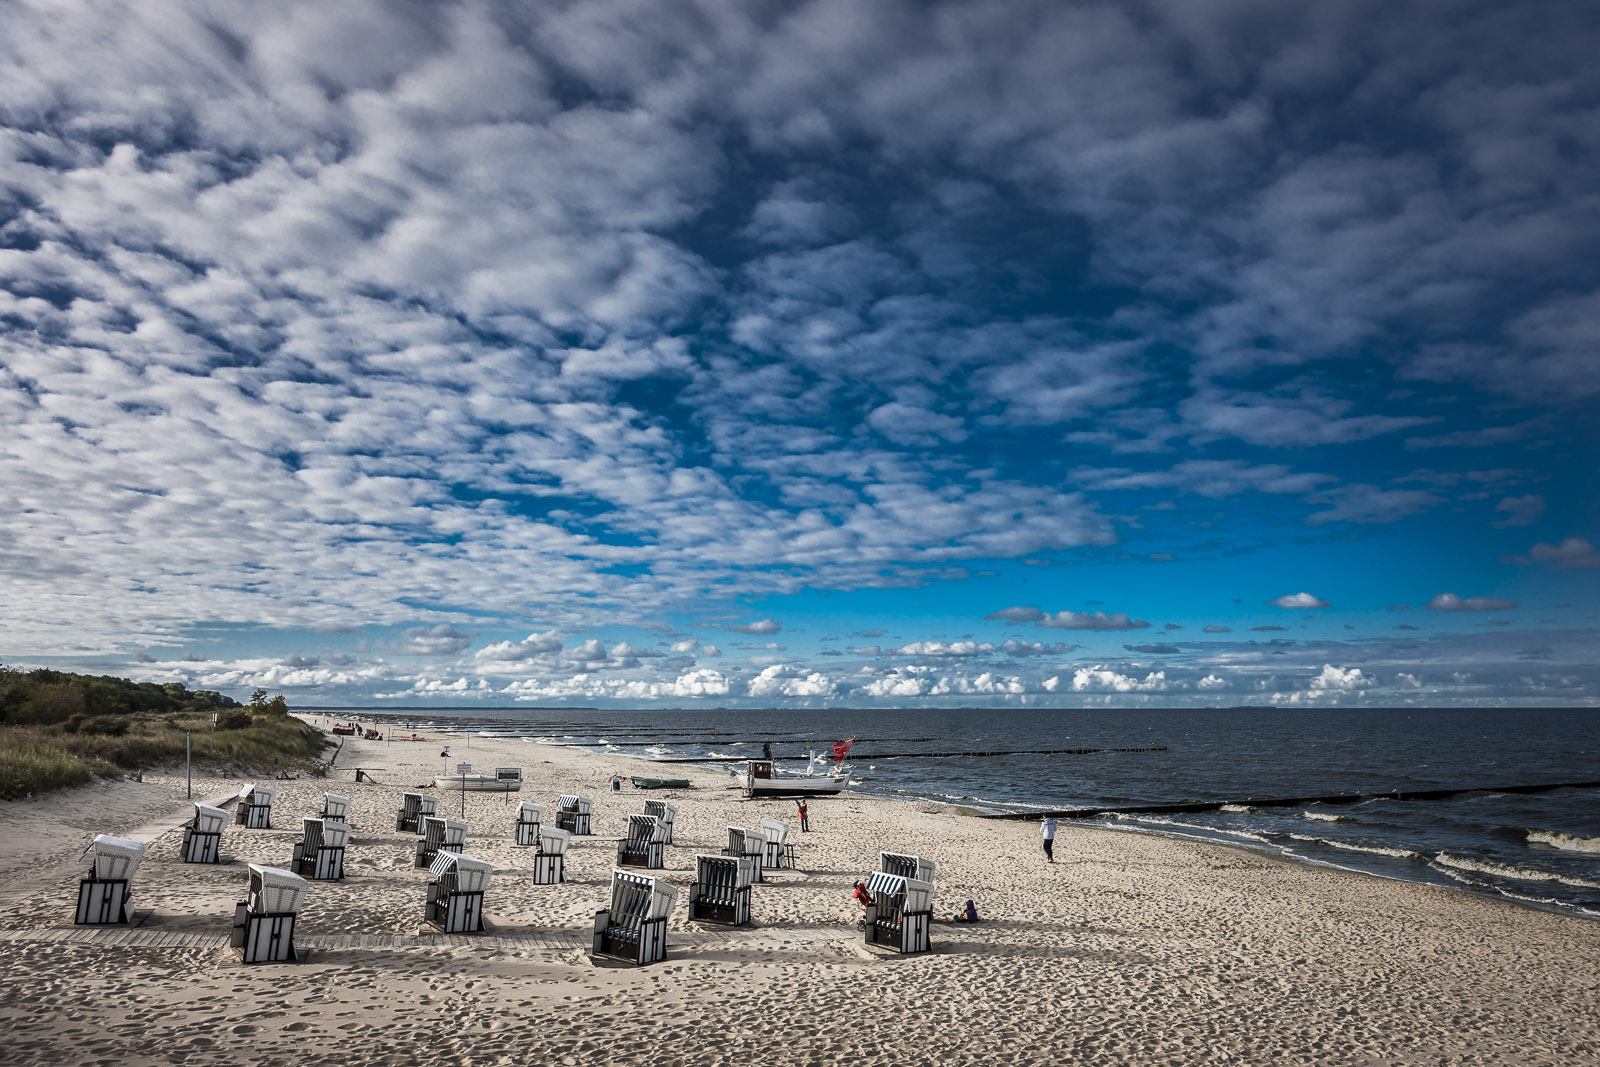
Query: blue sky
x,y
812,354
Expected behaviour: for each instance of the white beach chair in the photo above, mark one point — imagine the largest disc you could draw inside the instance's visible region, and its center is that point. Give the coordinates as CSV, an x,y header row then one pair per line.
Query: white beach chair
x,y
408,818
573,814
643,847
778,852
254,808
901,912
550,863
263,923
320,853
202,835
103,896
455,896
665,812
439,835
335,808
634,928
530,817
751,843
906,866
721,890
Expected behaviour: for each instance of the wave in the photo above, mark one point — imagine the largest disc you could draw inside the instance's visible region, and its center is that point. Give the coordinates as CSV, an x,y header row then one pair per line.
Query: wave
x,y
1449,862
1237,809
1325,816
1175,824
1376,850
1564,842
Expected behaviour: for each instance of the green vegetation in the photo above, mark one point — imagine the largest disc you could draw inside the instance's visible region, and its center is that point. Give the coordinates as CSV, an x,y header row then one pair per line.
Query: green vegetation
x,y
59,730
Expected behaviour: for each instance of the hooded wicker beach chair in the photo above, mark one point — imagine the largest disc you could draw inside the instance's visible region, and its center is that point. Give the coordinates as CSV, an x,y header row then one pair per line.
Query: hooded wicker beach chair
x,y
455,895
721,889
665,812
778,851
406,819
644,845
572,814
202,835
439,835
634,928
320,853
254,809
530,817
906,866
550,862
901,912
103,896
335,808
751,843
263,923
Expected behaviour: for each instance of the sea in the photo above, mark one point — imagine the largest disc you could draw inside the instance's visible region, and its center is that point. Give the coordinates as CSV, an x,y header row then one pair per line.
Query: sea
x,y
1540,849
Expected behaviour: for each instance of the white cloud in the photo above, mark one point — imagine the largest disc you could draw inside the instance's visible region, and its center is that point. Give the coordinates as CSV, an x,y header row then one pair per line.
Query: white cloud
x,y
778,680
1451,602
1300,601
534,646
1101,679
759,627
1341,679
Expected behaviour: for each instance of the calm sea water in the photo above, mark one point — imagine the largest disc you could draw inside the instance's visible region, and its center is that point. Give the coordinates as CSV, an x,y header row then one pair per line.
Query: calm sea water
x,y
1540,849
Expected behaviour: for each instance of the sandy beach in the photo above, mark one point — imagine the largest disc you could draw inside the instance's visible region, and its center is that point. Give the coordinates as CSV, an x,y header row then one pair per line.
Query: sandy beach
x,y
1129,949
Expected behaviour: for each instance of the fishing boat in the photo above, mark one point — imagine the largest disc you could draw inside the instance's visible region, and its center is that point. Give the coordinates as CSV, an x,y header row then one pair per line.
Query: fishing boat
x,y
503,780
660,783
761,779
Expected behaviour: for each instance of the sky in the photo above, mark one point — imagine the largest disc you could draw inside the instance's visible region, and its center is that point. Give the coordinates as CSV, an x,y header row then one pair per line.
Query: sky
x,y
753,354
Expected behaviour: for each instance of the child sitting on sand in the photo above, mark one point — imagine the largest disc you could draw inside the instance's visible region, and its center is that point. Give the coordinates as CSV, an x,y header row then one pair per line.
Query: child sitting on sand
x,y
968,914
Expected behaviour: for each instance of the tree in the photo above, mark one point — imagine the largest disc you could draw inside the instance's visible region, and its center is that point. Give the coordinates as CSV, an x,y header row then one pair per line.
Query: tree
x,y
258,699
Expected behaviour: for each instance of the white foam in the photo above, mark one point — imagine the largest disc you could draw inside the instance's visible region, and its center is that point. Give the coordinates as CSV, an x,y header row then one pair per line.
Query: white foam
x,y
1564,842
1324,816
1237,809
1376,850
1503,870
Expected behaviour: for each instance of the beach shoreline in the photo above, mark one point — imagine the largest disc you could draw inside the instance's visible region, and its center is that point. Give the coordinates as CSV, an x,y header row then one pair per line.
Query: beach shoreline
x,y
1132,949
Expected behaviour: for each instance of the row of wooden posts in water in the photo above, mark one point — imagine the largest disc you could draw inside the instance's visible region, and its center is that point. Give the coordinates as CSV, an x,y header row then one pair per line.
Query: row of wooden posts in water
x,y
633,928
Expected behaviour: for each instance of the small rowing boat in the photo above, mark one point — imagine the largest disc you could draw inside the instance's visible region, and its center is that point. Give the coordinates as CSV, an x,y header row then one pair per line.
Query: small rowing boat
x,y
660,783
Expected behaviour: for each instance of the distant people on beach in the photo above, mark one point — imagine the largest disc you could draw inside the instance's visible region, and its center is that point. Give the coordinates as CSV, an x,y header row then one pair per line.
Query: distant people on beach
x,y
968,914
766,750
800,806
1047,830
862,896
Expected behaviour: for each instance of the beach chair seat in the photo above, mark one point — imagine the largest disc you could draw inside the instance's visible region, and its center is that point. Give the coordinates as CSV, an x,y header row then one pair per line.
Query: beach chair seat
x,y
721,889
906,866
665,813
335,808
751,843
777,852
901,913
550,862
455,895
263,923
634,928
103,896
202,835
320,853
530,817
439,835
254,808
643,847
573,814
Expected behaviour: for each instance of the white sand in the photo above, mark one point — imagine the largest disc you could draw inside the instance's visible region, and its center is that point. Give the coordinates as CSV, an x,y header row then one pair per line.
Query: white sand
x,y
1130,949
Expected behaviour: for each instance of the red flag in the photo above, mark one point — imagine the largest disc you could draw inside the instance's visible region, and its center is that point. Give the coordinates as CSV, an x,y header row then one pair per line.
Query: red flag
x,y
842,749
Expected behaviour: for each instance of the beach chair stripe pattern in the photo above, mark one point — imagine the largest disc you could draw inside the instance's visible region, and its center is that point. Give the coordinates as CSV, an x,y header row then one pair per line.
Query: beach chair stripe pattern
x,y
634,928
643,846
254,809
665,813
743,841
103,896
202,835
573,814
721,890
900,914
906,866
530,817
455,896
263,923
406,819
335,808
320,853
439,835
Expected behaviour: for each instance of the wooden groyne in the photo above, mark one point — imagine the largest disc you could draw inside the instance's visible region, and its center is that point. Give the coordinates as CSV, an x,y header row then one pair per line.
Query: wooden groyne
x,y
1286,802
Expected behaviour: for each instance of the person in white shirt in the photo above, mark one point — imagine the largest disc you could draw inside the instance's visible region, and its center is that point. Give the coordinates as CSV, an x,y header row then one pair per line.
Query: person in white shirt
x,y
1047,830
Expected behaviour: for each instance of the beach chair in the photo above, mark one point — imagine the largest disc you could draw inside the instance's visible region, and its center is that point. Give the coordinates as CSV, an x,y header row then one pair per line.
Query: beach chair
x,y
455,896
335,808
103,896
414,808
778,852
901,912
530,817
254,810
572,814
320,853
721,890
665,812
263,923
743,841
643,847
202,835
439,835
634,928
550,862
906,866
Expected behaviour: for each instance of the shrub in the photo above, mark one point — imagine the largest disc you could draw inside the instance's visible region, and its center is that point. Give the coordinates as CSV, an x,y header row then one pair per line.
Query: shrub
x,y
234,720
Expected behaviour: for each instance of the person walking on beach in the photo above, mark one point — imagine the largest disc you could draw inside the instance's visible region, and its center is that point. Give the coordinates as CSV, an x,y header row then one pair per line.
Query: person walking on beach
x,y
800,805
1047,830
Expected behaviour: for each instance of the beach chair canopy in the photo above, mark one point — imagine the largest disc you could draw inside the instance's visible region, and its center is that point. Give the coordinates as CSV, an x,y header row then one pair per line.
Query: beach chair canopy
x,y
907,894
455,834
738,872
635,896
275,891
334,833
263,797
776,830
906,866
581,805
643,829
468,873
662,810
209,820
115,857
528,811
335,806
427,805
244,793
553,842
